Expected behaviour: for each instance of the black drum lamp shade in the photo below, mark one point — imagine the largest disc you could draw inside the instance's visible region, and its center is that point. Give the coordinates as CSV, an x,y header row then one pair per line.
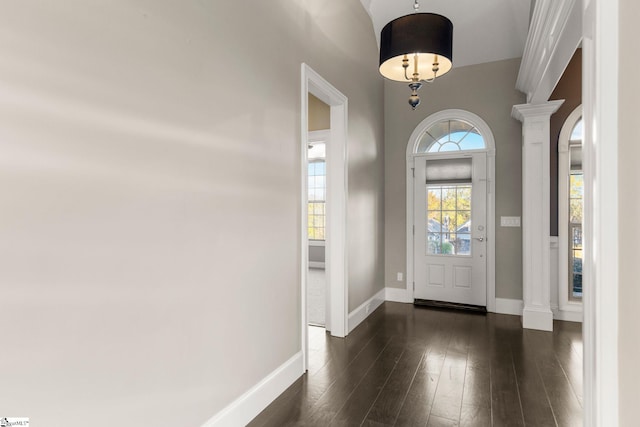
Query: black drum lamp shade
x,y
416,47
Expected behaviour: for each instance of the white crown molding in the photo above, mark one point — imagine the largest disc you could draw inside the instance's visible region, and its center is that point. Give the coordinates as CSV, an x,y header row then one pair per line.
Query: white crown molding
x,y
555,33
542,110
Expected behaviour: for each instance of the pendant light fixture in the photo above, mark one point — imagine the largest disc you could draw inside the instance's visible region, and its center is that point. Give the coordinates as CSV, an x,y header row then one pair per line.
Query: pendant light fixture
x,y
416,48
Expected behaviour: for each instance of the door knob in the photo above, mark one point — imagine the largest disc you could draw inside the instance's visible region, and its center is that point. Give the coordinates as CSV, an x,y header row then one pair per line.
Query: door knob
x,y
480,239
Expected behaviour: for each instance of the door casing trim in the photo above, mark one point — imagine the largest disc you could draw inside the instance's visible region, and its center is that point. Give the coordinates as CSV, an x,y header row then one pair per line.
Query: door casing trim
x,y
336,200
490,150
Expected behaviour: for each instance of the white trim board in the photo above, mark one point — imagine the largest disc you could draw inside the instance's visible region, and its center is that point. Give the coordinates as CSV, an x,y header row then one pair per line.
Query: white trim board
x,y
513,307
363,311
245,408
398,295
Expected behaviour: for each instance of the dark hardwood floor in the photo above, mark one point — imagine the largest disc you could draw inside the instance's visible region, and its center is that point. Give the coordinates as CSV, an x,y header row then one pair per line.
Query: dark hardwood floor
x,y
407,366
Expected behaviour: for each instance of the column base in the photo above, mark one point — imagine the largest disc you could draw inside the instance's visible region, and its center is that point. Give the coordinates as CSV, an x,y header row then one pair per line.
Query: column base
x,y
537,318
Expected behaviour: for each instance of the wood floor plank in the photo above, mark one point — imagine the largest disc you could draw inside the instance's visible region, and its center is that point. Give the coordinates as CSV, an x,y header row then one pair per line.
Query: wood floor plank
x,y
407,366
506,408
564,401
475,416
448,399
536,407
357,406
328,405
387,406
419,398
435,421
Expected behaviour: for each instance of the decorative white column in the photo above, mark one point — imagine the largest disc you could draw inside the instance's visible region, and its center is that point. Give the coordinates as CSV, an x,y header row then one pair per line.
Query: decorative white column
x,y
536,283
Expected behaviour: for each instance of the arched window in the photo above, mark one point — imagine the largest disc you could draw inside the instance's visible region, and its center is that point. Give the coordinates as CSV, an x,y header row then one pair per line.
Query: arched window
x,y
570,207
451,131
451,135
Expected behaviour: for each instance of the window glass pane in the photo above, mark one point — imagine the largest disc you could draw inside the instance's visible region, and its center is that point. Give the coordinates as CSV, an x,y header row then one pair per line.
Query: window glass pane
x,y
463,244
575,263
439,130
449,227
425,143
447,247
473,141
317,151
463,201
576,190
316,194
433,243
576,133
450,135
448,221
449,146
458,130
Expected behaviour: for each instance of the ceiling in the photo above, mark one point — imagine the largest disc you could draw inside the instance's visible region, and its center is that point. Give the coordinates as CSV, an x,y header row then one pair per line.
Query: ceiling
x,y
483,30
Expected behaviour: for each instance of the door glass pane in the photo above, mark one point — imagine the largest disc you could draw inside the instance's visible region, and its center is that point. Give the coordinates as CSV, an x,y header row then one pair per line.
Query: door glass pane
x,y
449,219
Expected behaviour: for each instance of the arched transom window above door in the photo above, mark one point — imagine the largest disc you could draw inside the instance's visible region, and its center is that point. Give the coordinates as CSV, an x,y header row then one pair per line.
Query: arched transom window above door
x,y
451,131
451,135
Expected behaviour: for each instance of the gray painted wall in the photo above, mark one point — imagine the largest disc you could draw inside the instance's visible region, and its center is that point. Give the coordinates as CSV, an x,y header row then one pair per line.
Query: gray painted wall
x,y
150,198
629,212
487,90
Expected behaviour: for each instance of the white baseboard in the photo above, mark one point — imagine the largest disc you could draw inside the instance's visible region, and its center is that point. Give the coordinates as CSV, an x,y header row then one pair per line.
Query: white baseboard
x,y
397,295
567,315
365,309
245,408
513,307
536,318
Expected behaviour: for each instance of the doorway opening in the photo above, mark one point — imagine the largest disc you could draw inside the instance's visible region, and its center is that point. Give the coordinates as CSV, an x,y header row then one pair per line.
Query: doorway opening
x,y
451,211
317,289
328,216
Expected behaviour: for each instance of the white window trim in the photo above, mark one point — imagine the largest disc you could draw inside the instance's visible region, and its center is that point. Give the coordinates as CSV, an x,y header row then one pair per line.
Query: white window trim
x,y
412,145
569,310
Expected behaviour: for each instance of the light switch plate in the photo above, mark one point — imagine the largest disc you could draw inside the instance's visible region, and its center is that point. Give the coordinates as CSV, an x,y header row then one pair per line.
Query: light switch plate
x,y
510,221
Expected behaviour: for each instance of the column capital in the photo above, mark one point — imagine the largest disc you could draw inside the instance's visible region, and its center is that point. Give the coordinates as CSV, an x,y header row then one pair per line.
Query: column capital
x,y
529,111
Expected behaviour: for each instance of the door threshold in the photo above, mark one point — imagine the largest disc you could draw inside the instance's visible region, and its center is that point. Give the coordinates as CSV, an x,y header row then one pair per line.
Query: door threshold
x,y
450,306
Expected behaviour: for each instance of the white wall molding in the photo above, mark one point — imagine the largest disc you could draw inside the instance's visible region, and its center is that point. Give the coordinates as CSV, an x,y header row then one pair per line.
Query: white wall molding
x,y
513,307
536,274
567,315
363,311
398,295
600,93
555,32
245,408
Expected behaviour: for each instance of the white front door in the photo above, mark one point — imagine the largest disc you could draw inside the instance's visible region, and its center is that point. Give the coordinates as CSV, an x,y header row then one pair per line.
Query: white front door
x,y
450,210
